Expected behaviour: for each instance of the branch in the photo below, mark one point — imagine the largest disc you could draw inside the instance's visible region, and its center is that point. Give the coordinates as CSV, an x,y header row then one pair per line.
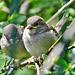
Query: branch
x,y
51,48
59,11
60,24
38,69
15,66
24,7
58,48
71,47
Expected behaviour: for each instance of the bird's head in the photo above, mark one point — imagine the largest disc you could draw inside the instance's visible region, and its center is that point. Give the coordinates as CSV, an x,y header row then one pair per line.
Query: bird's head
x,y
36,24
10,32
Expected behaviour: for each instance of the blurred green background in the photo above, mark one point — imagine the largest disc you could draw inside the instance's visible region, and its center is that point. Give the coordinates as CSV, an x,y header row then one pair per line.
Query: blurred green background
x,y
18,11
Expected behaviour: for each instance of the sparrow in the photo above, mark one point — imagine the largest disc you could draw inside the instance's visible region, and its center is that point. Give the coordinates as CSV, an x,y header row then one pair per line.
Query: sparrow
x,y
37,36
11,42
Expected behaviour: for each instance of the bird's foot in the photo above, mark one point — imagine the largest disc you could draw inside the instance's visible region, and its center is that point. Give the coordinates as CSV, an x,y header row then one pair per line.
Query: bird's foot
x,y
19,62
31,60
40,59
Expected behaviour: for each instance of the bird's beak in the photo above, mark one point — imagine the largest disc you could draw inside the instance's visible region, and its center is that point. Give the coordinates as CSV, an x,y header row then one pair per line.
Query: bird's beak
x,y
31,27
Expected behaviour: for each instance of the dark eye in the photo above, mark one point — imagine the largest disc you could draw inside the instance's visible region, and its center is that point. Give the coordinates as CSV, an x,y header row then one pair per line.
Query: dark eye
x,y
36,24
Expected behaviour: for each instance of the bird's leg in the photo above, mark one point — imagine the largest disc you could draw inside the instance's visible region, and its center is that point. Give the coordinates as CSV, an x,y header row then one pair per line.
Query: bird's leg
x,y
18,63
31,60
40,59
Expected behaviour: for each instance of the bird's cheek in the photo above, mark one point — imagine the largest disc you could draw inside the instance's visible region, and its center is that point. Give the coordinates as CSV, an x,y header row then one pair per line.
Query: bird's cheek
x,y
27,31
32,31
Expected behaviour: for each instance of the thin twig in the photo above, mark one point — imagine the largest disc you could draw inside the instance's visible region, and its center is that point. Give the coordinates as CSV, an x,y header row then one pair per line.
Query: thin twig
x,y
24,7
50,49
70,47
60,24
38,69
22,64
59,11
14,66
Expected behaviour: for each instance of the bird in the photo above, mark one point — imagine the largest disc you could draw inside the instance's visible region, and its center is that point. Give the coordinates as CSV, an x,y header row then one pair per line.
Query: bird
x,y
37,36
12,43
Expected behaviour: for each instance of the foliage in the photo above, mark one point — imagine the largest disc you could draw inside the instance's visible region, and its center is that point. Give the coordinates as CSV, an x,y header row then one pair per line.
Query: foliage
x,y
10,12
2,59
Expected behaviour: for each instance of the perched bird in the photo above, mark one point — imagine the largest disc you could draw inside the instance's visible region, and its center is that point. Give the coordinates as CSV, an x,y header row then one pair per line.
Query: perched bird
x,y
11,42
37,36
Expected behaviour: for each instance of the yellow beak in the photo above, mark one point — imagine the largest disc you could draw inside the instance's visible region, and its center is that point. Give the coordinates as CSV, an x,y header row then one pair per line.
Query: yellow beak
x,y
31,27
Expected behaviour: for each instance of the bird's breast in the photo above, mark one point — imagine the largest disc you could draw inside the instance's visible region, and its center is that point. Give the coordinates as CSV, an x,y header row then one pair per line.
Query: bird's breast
x,y
38,44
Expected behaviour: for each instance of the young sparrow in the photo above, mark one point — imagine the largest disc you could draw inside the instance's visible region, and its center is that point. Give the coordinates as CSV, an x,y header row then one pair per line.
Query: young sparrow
x,y
37,36
11,42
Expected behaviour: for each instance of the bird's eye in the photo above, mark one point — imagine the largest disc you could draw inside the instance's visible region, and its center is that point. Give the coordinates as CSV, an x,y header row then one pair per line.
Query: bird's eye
x,y
35,24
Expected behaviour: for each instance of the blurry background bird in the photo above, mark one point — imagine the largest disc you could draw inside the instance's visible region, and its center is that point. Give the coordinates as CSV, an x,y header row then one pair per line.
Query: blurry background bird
x,y
11,42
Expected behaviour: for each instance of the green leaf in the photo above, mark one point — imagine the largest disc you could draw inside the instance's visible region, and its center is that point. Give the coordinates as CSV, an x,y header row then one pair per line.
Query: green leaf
x,y
3,16
71,11
3,24
62,63
17,18
48,72
44,56
25,71
1,31
2,4
2,59
60,66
